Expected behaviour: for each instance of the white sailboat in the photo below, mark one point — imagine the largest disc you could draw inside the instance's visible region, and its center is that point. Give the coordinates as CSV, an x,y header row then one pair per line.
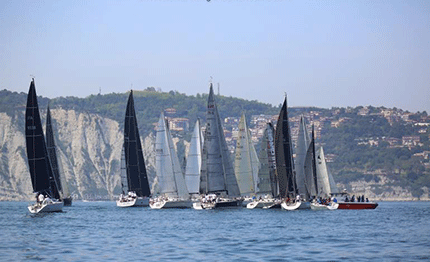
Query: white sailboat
x,y
194,160
319,180
134,180
246,163
267,183
217,181
173,192
43,180
285,163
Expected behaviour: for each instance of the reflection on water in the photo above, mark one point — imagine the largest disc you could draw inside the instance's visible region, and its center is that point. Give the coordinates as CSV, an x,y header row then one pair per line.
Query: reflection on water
x,y
101,231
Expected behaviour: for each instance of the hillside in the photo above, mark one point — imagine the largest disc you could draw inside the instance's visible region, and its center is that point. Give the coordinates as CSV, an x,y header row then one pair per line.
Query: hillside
x,y
381,152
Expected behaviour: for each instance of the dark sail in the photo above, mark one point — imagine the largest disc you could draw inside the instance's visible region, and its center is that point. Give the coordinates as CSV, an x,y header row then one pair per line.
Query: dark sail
x,y
284,154
314,166
50,146
136,171
42,177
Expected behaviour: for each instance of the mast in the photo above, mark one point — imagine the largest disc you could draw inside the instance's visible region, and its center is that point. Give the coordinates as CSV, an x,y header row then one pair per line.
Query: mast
x,y
39,165
284,155
137,178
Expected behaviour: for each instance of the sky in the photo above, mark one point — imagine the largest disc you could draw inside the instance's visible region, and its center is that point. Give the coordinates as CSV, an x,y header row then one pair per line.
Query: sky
x,y
321,53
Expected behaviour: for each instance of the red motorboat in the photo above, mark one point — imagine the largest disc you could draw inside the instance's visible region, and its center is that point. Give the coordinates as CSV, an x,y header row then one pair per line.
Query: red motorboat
x,y
357,205
346,202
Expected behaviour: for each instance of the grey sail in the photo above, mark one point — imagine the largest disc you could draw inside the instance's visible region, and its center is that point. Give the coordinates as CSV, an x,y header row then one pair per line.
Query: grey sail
x,y
311,179
217,173
284,155
42,177
246,161
194,160
267,183
171,180
302,146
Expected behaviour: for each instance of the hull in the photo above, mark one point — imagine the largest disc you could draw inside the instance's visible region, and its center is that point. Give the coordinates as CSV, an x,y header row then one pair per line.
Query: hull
x,y
296,206
265,203
219,203
67,201
357,205
47,206
170,204
135,202
332,206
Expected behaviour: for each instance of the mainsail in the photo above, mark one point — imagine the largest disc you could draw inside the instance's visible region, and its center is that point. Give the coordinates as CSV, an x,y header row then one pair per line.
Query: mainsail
x,y
267,183
217,174
311,178
171,180
42,177
326,184
137,180
194,160
50,146
302,146
284,155
246,163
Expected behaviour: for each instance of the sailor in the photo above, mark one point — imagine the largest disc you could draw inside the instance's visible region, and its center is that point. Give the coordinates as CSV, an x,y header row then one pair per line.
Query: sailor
x,y
41,198
37,197
362,198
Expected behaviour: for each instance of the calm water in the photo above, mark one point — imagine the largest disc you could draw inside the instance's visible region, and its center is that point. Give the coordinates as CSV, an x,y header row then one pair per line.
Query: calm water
x,y
398,231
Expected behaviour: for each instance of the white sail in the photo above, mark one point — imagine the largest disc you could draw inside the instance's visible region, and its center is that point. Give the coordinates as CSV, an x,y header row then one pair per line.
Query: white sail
x,y
217,173
246,163
303,142
194,160
171,181
324,185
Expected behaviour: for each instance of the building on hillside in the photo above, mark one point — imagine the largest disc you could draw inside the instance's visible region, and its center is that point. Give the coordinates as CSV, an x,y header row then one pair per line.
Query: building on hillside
x,y
179,124
410,140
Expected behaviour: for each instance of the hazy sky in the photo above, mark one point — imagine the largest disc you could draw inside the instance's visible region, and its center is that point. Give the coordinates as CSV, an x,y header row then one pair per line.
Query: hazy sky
x,y
322,53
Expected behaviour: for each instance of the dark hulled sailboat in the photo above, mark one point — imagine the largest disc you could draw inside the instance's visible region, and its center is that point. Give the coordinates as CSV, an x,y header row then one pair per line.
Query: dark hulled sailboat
x,y
217,181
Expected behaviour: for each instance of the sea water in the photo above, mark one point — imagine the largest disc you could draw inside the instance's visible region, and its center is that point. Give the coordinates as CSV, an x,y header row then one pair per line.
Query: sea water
x,y
100,231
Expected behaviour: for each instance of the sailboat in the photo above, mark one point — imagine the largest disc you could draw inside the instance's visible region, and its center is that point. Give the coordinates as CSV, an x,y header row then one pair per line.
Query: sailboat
x,y
267,183
246,164
42,177
217,181
194,160
135,188
316,179
50,146
285,163
173,192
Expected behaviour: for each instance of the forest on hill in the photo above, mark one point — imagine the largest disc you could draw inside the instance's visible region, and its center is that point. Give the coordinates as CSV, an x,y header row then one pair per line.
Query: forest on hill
x,y
362,143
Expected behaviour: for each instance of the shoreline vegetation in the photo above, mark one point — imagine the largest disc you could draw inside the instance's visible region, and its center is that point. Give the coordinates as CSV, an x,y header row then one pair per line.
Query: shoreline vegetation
x,y
380,152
